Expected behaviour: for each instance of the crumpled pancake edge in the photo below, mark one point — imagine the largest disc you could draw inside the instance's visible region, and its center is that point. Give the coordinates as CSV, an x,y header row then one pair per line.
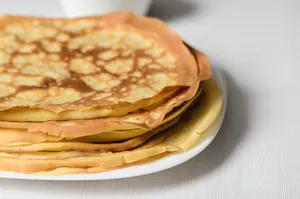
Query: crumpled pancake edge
x,y
164,145
19,137
88,147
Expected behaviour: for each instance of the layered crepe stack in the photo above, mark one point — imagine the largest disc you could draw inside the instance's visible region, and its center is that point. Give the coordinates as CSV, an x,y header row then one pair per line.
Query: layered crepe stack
x,y
93,94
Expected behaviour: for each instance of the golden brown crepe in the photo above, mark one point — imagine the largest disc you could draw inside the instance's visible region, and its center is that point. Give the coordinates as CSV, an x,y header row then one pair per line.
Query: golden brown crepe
x,y
197,122
84,146
21,137
98,93
91,67
140,122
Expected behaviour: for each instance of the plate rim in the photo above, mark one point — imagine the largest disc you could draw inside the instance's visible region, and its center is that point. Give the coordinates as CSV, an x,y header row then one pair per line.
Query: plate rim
x,y
162,164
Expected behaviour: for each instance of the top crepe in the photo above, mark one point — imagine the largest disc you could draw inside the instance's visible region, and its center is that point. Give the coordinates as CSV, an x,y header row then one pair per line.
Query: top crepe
x,y
84,68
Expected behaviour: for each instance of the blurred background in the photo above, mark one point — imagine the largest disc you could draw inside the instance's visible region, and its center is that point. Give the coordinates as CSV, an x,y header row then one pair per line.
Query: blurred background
x,y
228,31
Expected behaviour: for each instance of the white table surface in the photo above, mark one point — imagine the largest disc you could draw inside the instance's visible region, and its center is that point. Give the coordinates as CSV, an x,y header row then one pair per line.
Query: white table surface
x,y
256,154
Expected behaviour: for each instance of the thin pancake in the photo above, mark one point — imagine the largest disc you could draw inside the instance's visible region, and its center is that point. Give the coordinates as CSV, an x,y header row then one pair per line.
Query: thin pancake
x,y
18,137
83,68
88,147
178,138
146,120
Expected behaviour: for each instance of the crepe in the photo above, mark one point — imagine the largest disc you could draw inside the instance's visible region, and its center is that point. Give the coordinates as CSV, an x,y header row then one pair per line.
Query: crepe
x,y
20,137
86,147
98,93
197,122
134,122
91,67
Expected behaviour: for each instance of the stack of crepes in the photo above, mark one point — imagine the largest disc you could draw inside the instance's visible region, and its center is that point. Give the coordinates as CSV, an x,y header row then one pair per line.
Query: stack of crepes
x,y
98,93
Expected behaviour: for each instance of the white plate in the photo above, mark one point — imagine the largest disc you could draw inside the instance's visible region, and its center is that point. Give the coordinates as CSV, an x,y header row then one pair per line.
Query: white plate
x,y
158,165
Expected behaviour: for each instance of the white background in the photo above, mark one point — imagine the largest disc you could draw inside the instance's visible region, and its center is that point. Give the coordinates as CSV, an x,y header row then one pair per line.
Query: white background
x,y
257,152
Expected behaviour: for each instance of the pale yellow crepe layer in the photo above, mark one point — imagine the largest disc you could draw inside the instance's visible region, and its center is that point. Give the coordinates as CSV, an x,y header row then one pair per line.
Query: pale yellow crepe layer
x,y
144,121
180,137
86,147
12,139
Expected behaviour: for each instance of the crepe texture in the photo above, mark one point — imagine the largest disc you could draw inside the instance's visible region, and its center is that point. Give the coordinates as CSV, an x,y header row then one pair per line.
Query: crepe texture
x,y
98,93
197,122
92,67
10,139
145,120
85,146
